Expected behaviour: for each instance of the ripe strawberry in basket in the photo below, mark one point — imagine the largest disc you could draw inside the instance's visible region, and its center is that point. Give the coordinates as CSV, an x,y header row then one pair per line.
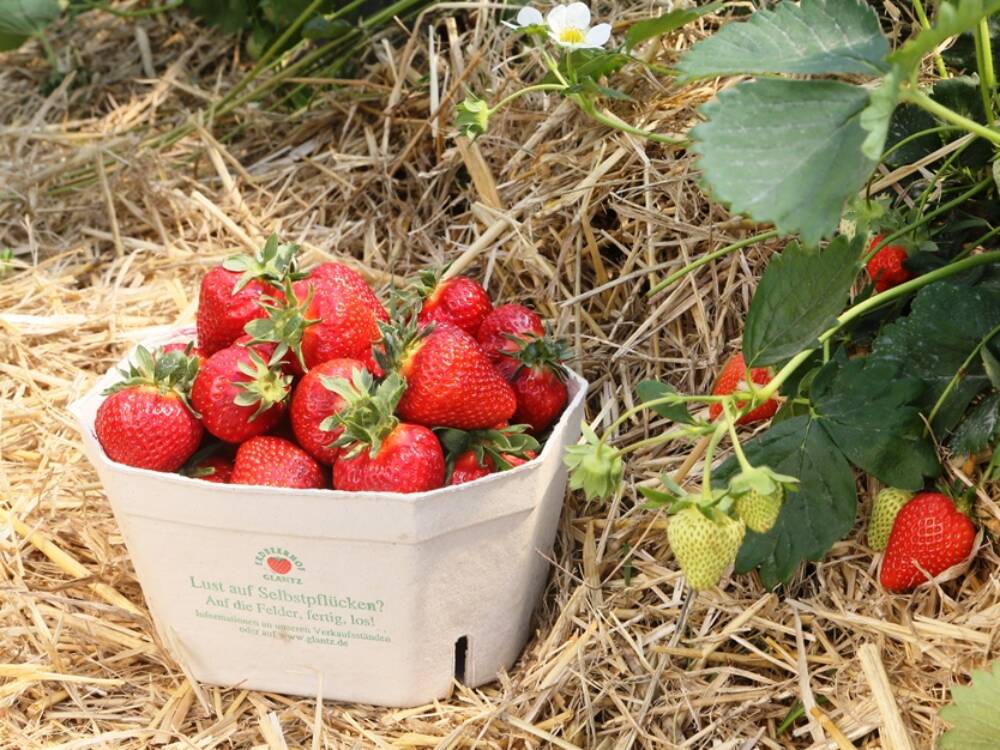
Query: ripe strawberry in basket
x,y
537,375
211,464
317,320
231,293
450,381
239,394
338,273
275,462
503,327
476,454
378,452
146,420
314,401
458,300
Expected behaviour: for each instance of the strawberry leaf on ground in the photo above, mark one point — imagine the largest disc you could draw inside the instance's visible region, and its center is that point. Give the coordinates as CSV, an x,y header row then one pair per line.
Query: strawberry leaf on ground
x,y
820,513
648,390
814,36
947,321
798,297
979,429
785,152
670,21
866,409
973,713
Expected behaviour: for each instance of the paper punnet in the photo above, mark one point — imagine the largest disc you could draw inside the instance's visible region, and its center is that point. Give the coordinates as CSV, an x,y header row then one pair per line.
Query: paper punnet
x,y
375,597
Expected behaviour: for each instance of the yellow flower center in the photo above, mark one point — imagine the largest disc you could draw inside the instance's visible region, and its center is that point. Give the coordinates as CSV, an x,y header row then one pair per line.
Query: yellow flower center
x,y
571,36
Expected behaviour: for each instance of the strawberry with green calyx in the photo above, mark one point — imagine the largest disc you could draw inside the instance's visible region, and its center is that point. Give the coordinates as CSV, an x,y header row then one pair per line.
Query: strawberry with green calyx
x,y
705,542
378,452
212,463
450,382
931,534
594,467
458,300
239,394
474,454
146,421
759,511
887,267
230,293
315,401
352,281
732,379
276,462
888,502
538,377
188,348
318,320
504,329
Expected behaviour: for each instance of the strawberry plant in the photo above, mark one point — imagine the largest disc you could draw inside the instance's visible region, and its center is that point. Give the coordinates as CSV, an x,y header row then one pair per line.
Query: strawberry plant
x,y
885,374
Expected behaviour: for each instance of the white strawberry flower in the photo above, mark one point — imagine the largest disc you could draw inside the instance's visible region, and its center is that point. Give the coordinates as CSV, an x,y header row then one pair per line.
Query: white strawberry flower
x,y
568,26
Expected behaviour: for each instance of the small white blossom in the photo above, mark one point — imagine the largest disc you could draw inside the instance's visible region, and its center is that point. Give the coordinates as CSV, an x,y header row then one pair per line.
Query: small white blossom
x,y
568,26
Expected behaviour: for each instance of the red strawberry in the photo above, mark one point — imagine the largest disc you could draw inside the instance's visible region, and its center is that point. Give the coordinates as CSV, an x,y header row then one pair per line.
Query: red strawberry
x,y
886,268
276,462
280,565
313,402
471,455
318,320
506,321
379,453
231,294
146,421
216,468
536,374
338,273
450,381
733,378
458,300
930,534
239,395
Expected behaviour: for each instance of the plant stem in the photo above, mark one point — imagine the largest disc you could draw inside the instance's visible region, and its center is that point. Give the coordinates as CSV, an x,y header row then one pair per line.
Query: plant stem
x,y
926,24
914,136
943,208
706,472
665,437
706,259
50,53
613,121
735,439
674,398
984,62
958,376
526,90
870,304
915,96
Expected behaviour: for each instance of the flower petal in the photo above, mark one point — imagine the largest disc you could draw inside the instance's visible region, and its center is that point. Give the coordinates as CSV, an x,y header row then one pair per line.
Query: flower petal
x,y
557,19
529,16
578,16
599,35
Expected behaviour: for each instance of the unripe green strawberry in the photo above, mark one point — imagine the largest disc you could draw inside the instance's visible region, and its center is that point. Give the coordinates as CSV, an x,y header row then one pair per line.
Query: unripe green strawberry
x,y
887,504
704,546
760,511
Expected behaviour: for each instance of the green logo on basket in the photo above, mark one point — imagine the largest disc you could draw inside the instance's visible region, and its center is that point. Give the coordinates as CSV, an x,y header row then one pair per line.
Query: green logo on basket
x,y
279,560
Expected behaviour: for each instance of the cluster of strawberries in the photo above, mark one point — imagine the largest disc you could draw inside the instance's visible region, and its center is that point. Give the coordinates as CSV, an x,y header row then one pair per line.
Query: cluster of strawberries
x,y
294,372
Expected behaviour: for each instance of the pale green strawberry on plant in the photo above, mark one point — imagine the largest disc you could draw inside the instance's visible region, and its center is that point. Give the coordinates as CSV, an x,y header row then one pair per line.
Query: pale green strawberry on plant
x,y
759,511
887,504
705,544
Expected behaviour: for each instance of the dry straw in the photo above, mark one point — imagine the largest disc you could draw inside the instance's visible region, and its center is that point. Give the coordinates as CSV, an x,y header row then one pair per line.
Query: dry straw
x,y
110,240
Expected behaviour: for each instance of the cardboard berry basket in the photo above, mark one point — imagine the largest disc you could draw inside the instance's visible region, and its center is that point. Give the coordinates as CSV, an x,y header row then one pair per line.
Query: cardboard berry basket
x,y
381,598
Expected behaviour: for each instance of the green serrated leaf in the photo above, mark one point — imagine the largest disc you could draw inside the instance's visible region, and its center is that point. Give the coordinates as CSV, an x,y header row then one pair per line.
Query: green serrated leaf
x,y
952,19
947,320
670,21
785,152
877,116
961,94
798,297
22,18
650,390
979,429
906,121
973,713
867,410
812,519
814,36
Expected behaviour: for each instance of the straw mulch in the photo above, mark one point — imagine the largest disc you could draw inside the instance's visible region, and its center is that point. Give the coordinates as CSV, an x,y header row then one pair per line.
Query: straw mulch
x,y
548,208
